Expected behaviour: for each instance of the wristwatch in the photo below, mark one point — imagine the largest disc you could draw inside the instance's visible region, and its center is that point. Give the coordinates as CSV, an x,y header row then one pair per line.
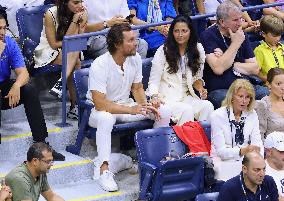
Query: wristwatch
x,y
105,24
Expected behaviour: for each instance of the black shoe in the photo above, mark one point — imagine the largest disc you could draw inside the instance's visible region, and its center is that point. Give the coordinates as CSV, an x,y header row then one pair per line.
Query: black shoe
x,y
57,156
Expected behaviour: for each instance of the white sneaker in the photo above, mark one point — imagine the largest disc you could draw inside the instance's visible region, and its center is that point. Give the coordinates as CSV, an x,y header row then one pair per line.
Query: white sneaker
x,y
107,182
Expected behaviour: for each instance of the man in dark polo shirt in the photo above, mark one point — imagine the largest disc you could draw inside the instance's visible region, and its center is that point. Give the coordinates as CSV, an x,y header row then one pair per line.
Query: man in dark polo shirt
x,y
237,59
29,180
251,184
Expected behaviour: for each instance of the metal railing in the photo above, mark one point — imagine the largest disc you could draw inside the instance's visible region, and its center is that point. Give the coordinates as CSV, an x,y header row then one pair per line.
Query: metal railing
x,y
79,43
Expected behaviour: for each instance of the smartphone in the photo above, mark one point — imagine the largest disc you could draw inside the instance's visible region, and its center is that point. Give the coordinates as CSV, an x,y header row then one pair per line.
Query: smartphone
x,y
130,17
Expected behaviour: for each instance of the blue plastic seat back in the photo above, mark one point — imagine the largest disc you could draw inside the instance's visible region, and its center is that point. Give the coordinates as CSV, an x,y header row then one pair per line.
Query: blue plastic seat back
x,y
81,77
207,197
154,144
30,22
207,129
171,180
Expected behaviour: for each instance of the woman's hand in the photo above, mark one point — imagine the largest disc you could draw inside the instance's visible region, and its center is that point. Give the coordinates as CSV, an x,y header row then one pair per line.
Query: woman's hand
x,y
203,93
145,109
156,101
164,30
80,16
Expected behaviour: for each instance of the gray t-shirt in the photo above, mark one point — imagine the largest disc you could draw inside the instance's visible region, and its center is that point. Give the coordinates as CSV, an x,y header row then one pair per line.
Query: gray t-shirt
x,y
24,186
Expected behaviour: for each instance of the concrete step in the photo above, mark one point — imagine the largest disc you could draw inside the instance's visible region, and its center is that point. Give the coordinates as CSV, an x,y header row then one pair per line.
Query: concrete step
x,y
90,190
73,169
15,145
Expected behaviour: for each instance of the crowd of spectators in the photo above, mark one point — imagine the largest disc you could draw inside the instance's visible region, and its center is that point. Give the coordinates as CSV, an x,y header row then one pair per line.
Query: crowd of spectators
x,y
191,76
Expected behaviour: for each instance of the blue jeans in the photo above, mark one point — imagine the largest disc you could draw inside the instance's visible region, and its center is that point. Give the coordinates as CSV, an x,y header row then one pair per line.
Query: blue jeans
x,y
217,96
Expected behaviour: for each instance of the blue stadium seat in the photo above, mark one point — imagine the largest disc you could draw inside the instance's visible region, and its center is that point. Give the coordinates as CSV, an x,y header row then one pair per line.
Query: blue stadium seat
x,y
84,107
207,197
30,24
170,180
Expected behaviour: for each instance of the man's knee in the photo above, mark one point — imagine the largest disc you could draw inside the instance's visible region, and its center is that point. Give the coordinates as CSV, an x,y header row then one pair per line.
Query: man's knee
x,y
101,118
28,91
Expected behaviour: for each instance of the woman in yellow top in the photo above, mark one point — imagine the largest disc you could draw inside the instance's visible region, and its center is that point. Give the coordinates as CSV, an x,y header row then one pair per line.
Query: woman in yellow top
x,y
270,53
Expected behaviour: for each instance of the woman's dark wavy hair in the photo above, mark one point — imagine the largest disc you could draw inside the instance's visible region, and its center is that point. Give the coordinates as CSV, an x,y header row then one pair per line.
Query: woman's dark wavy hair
x,y
172,51
64,17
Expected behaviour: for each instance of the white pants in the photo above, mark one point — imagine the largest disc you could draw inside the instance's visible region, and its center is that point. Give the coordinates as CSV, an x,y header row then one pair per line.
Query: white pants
x,y
104,122
189,109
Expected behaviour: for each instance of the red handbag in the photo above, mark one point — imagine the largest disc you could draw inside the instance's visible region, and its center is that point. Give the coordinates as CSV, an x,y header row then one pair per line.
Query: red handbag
x,y
193,135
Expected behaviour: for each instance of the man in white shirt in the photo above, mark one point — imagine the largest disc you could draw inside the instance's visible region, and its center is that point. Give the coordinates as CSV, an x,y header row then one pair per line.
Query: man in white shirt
x,y
112,77
274,147
103,14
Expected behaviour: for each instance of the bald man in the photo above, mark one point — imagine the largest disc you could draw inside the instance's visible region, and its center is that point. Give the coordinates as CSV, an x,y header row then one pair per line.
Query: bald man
x,y
252,183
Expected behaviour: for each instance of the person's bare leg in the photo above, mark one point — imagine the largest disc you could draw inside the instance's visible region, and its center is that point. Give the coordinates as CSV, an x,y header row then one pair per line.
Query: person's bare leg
x,y
72,60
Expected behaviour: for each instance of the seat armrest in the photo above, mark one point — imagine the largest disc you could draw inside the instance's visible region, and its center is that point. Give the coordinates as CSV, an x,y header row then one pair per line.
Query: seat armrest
x,y
148,166
149,170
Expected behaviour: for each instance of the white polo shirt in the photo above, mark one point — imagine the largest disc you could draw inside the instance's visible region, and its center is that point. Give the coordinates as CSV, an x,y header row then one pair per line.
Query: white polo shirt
x,y
107,77
102,10
278,176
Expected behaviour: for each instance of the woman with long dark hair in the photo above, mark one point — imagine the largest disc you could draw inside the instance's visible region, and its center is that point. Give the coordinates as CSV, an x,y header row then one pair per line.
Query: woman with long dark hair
x,y
177,73
68,17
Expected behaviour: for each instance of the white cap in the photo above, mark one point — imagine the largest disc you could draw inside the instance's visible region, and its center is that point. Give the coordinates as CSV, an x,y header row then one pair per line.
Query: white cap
x,y
276,140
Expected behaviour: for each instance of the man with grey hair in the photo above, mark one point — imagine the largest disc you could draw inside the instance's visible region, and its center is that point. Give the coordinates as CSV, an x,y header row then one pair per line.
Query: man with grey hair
x,y
274,149
229,55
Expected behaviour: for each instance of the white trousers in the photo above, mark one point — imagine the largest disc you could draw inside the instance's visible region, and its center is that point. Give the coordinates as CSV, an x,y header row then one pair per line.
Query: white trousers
x,y
104,122
190,108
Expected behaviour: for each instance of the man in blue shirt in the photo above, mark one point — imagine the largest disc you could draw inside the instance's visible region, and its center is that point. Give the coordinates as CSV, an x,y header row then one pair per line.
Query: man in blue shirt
x,y
236,60
251,184
15,92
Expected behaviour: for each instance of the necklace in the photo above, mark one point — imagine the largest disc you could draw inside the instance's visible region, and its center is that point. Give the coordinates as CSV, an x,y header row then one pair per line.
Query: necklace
x,y
244,190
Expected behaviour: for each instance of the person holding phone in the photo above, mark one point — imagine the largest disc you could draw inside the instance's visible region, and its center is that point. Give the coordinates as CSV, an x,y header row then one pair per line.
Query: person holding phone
x,y
237,60
104,14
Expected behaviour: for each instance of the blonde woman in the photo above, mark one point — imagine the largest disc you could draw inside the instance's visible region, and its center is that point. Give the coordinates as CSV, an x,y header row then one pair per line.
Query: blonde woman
x,y
235,130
